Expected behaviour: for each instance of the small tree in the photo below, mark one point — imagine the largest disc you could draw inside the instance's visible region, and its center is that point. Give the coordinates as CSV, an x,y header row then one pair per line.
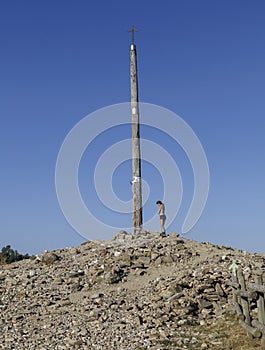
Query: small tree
x,y
8,255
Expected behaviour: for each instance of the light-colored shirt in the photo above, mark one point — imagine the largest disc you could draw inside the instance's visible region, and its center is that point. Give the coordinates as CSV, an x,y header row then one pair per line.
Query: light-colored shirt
x,y
161,210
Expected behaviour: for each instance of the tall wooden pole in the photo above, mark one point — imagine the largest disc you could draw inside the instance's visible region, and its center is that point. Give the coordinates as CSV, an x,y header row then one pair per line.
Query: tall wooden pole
x,y
136,156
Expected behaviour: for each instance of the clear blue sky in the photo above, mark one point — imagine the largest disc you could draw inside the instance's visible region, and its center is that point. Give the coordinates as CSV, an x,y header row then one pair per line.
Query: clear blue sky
x,y
62,60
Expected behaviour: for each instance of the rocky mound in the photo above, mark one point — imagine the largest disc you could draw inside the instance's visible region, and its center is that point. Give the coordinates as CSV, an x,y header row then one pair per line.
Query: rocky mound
x,y
133,292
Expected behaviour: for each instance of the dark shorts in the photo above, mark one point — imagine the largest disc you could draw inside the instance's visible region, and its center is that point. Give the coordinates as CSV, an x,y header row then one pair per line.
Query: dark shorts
x,y
162,217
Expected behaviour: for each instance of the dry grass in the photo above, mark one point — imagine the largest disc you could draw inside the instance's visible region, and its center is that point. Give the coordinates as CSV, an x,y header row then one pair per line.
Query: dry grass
x,y
224,334
235,337
230,334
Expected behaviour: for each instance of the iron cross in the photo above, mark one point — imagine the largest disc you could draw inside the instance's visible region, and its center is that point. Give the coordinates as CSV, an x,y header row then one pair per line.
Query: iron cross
x,y
133,30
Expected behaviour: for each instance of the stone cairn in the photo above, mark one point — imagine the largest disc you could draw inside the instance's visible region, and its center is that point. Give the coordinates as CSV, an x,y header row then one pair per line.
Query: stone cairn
x,y
132,292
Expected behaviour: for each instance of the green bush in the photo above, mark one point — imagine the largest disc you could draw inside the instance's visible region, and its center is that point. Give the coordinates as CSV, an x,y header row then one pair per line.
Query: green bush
x,y
8,255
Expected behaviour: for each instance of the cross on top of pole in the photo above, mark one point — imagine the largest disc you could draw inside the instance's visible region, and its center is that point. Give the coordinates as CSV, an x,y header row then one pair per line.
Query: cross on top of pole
x,y
133,30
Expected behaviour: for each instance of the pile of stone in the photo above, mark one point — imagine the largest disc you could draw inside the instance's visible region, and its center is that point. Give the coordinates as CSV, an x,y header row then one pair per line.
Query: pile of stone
x,y
133,292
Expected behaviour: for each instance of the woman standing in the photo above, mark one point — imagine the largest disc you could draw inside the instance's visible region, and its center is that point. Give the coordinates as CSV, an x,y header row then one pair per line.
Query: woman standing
x,y
162,216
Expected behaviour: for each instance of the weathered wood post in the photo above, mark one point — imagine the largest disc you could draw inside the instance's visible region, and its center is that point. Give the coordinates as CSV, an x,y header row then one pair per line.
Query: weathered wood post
x,y
136,156
241,294
234,284
243,300
261,310
260,301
